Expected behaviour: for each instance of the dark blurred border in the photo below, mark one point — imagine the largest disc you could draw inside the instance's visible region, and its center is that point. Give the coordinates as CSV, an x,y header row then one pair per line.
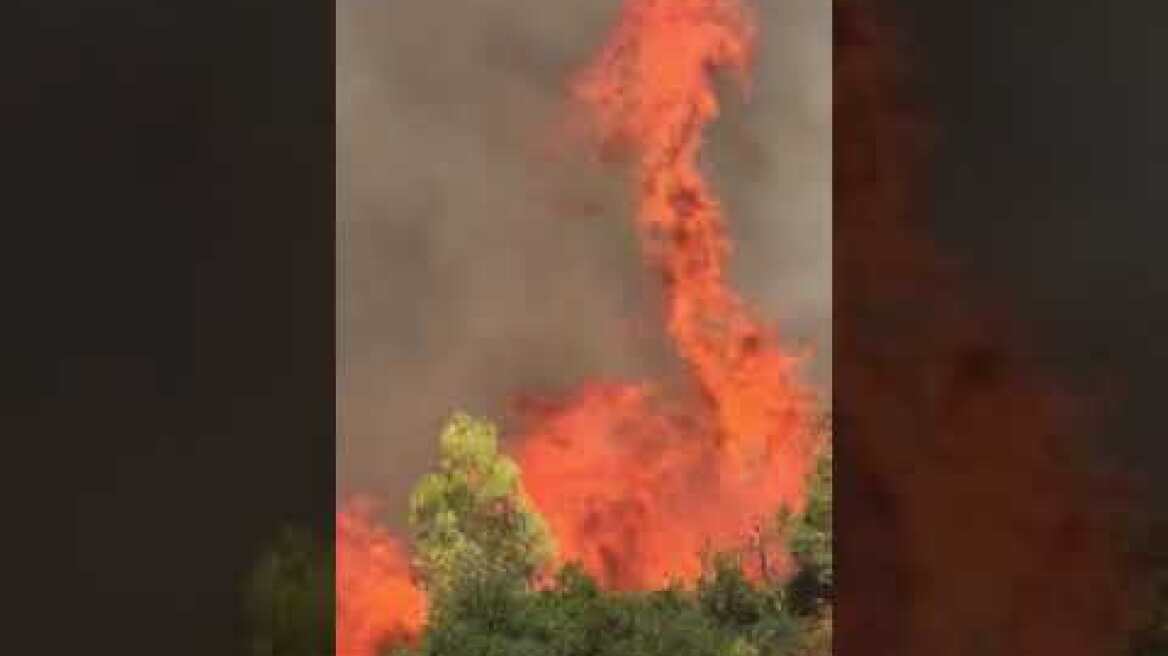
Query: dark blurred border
x,y
169,314
998,296
168,294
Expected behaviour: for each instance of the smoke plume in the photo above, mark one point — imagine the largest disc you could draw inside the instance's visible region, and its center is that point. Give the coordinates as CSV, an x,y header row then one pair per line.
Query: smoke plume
x,y
635,478
478,258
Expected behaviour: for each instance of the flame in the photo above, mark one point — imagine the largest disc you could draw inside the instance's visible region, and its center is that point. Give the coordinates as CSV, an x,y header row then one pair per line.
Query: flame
x,y
377,602
635,485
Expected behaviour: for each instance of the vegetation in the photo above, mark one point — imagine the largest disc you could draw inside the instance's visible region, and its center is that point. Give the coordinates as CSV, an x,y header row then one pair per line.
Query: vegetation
x,y
810,543
479,542
289,598
471,520
726,616
479,546
1151,636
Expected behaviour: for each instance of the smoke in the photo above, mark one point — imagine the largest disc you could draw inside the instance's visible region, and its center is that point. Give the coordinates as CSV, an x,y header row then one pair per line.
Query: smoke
x,y
636,483
475,258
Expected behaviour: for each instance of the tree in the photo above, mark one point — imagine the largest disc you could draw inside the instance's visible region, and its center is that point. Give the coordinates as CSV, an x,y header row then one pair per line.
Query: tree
x,y
810,541
1150,549
289,598
478,563
574,618
478,541
471,518
756,613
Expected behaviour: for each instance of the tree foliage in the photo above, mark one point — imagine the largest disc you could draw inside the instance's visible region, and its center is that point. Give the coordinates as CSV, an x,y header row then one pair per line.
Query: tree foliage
x,y
810,542
478,542
725,614
1151,635
471,518
289,598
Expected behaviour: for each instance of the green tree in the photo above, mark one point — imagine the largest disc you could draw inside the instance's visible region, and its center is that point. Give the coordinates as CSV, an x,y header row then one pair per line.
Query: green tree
x,y
809,592
289,598
756,614
471,518
478,541
1150,547
810,541
574,618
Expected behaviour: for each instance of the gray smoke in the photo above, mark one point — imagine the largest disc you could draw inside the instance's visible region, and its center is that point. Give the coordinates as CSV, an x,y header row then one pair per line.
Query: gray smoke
x,y
472,263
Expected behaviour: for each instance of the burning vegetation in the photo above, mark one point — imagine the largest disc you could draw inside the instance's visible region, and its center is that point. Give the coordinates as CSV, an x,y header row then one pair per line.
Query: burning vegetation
x,y
486,561
628,487
634,482
639,519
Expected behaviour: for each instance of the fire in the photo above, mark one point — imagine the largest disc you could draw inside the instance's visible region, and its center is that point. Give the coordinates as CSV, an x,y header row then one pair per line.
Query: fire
x,y
377,602
635,485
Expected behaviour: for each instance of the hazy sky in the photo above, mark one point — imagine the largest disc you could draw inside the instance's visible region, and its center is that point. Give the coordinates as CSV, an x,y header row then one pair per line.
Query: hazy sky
x,y
474,264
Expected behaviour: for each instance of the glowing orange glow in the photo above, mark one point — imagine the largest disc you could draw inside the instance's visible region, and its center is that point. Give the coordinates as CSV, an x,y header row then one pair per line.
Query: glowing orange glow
x,y
975,526
634,485
377,602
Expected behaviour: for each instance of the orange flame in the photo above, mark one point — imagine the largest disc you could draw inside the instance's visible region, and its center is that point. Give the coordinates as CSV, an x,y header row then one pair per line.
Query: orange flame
x,y
636,487
377,602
